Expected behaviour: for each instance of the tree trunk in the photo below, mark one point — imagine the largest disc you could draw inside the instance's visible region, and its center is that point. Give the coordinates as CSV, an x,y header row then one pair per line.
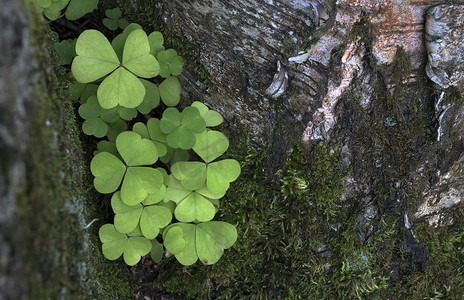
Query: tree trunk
x,y
345,116
348,77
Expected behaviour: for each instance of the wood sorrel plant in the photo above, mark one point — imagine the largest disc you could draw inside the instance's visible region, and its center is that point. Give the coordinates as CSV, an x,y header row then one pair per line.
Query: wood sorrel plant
x,y
161,200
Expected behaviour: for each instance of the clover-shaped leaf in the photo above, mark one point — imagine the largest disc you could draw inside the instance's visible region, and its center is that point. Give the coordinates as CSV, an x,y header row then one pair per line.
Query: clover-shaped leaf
x,y
119,41
170,90
170,63
115,244
95,118
108,171
220,174
114,20
75,90
126,113
65,51
52,8
90,109
138,181
96,127
181,127
156,41
212,118
192,205
151,217
210,145
152,132
115,128
105,146
174,240
89,91
96,58
78,8
157,251
204,241
217,175
151,99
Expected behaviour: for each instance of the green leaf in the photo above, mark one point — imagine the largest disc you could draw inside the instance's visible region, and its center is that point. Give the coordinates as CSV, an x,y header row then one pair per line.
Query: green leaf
x,y
170,120
170,63
115,244
138,183
141,129
126,217
192,174
136,55
187,256
121,87
105,146
135,150
175,191
65,51
95,57
175,155
115,129
192,205
170,90
211,240
205,241
96,127
89,90
108,171
157,136
156,41
110,115
151,99
53,11
126,113
91,109
75,90
181,127
174,240
110,24
114,13
212,118
195,208
191,120
220,174
210,145
123,23
154,130
44,3
157,251
119,41
153,218
159,195
78,8
181,138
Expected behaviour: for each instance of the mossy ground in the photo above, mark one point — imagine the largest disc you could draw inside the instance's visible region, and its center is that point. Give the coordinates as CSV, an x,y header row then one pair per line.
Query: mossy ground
x,y
60,255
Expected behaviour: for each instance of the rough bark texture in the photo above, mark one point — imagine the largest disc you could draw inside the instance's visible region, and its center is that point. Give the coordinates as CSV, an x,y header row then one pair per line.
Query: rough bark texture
x,y
15,101
352,164
349,78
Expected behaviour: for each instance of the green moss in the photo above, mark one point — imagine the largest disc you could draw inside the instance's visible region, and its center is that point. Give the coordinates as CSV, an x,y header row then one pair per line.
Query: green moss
x,y
60,258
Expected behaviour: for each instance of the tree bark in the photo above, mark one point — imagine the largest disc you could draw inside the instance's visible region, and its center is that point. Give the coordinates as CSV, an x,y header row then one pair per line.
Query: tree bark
x,y
352,182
